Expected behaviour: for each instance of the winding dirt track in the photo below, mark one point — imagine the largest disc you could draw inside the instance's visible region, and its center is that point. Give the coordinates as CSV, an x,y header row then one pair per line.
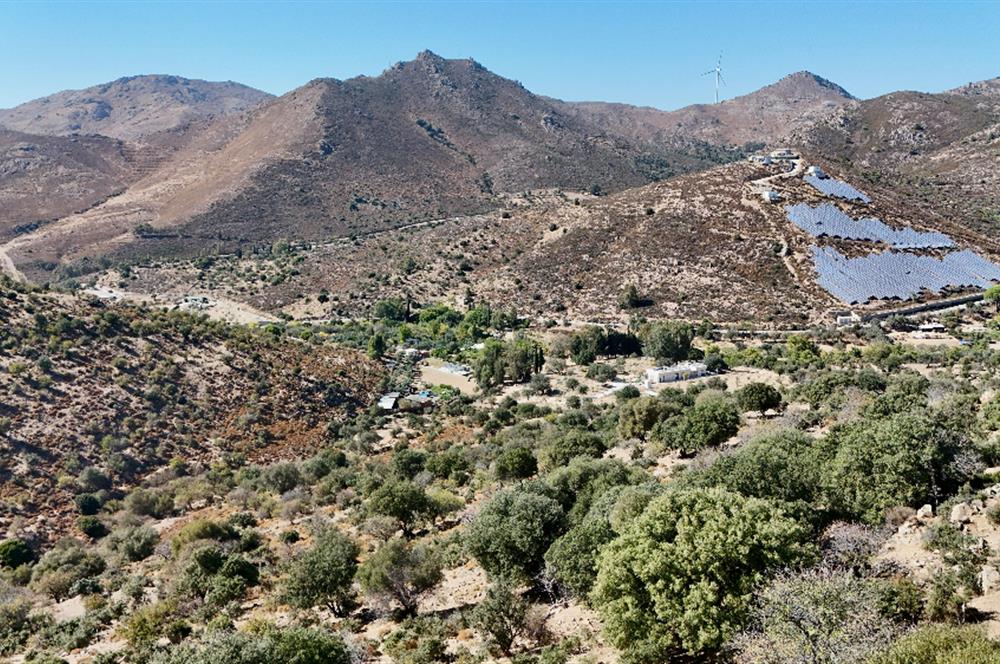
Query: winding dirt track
x,y
8,267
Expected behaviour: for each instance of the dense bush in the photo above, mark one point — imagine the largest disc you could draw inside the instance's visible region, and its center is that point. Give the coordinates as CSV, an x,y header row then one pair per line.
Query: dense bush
x,y
501,616
941,644
323,575
403,501
14,553
67,563
818,616
134,542
681,578
265,645
759,397
513,530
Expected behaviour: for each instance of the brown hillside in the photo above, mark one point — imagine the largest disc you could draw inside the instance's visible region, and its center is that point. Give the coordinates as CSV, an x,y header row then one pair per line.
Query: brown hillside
x,y
942,151
765,116
426,139
127,390
43,178
132,107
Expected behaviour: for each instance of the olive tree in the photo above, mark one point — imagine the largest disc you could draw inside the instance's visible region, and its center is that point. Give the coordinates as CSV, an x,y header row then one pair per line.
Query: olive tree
x,y
511,533
759,397
401,572
323,574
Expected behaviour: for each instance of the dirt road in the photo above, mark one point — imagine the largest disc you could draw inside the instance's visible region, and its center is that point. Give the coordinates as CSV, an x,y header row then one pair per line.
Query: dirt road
x,y
7,267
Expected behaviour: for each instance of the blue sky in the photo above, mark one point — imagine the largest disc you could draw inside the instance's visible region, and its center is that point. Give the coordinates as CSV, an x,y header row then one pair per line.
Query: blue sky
x,y
649,53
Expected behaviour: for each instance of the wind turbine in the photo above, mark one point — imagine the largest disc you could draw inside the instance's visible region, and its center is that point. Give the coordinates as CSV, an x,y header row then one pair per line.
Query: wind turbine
x,y
718,76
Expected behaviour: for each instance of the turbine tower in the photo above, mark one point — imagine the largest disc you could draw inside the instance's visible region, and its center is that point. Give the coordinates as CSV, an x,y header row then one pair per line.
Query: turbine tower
x,y
718,77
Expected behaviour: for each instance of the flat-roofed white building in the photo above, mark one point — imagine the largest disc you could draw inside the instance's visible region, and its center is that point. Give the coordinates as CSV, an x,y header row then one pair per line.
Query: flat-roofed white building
x,y
675,372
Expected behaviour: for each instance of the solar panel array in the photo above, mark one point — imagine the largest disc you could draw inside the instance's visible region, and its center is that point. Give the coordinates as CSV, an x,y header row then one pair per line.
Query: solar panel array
x,y
834,187
899,275
828,220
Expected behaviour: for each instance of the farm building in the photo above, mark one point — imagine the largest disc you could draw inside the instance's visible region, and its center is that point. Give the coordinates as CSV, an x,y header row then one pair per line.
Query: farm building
x,y
675,372
784,153
847,319
388,401
771,196
816,171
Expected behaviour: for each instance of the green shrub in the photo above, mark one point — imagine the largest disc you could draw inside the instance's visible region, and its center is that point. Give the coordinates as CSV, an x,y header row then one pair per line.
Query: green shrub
x,y
14,553
511,533
91,526
63,566
682,576
134,543
401,573
401,500
515,463
87,504
501,616
942,644
417,641
323,575
201,529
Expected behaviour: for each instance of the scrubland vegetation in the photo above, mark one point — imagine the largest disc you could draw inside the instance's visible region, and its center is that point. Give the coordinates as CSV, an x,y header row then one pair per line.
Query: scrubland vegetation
x,y
539,520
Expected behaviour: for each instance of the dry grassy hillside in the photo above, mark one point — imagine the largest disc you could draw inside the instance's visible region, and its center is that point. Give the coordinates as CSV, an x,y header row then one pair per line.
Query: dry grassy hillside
x,y
426,139
766,116
695,246
132,107
43,178
939,150
126,391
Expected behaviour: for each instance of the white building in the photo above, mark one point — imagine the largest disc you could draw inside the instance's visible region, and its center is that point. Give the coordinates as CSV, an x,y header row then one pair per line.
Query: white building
x,y
761,159
848,319
771,196
388,401
784,153
816,171
675,372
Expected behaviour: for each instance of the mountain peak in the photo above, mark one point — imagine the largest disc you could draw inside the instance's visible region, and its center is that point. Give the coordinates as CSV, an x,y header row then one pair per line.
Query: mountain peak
x,y
428,55
807,84
131,107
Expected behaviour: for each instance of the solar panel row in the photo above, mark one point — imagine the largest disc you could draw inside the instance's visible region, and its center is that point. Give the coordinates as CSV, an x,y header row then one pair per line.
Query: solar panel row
x,y
834,187
828,220
899,275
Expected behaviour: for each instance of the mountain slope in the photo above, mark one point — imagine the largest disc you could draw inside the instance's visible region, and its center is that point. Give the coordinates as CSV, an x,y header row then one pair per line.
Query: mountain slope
x,y
48,177
131,108
129,389
940,150
426,139
764,116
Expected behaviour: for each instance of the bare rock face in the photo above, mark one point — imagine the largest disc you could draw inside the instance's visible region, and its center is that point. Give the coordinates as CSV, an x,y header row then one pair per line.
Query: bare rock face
x,y
989,578
961,513
925,512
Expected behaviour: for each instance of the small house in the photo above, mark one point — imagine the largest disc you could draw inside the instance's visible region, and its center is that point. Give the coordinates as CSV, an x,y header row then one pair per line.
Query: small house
x,y
388,401
848,319
816,171
675,372
784,153
771,196
931,328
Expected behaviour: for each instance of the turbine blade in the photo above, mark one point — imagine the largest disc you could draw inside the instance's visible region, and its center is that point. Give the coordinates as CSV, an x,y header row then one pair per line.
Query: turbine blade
x,y
722,79
711,71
